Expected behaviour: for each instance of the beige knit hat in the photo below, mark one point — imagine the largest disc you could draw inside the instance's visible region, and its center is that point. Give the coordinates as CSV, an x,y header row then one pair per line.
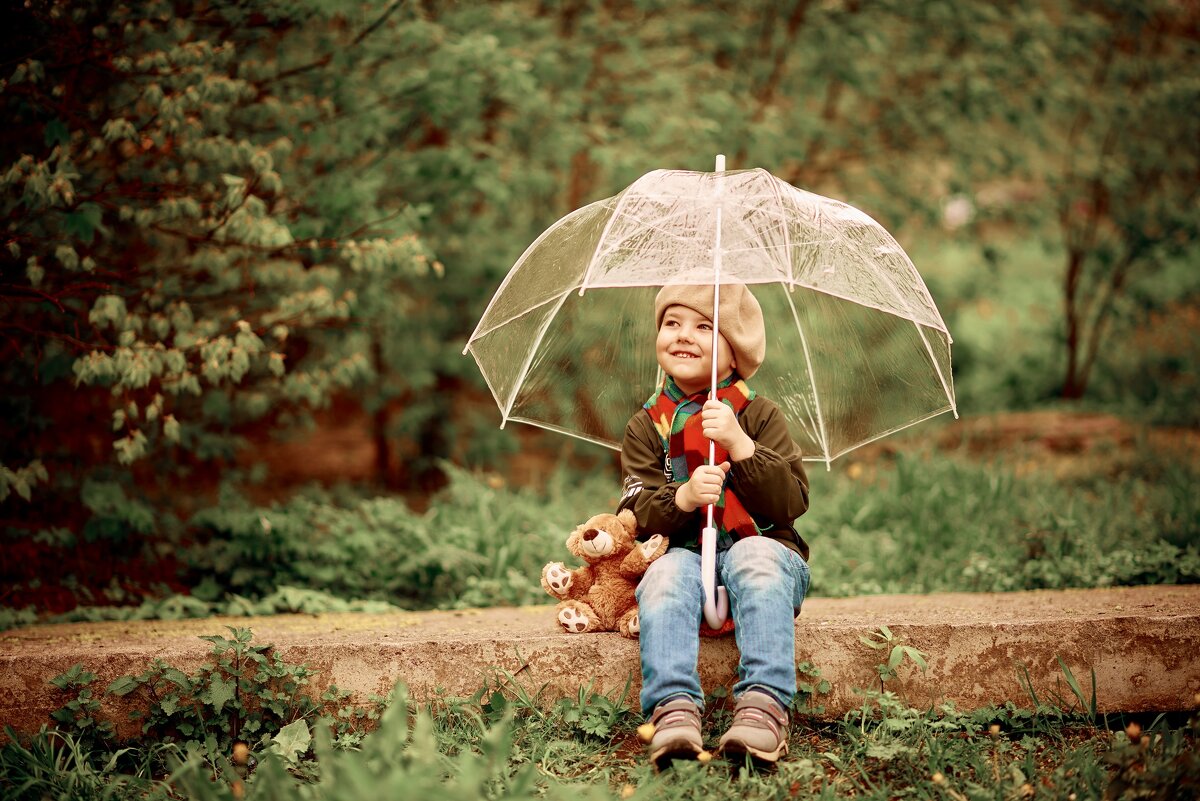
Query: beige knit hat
x,y
740,321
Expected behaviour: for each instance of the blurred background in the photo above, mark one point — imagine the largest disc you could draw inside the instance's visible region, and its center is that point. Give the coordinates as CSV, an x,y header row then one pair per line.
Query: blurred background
x,y
245,243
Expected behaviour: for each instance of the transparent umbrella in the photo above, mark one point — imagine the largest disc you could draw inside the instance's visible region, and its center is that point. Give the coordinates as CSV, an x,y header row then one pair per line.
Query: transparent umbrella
x,y
856,348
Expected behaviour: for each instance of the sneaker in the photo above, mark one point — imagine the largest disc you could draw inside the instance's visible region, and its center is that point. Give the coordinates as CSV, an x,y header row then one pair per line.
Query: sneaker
x,y
759,728
676,732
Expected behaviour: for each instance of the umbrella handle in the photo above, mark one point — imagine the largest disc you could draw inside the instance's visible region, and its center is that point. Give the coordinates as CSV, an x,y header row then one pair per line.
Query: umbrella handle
x,y
716,599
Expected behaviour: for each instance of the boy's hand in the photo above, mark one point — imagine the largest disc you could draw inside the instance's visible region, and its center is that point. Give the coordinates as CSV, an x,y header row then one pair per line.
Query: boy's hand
x,y
703,488
720,424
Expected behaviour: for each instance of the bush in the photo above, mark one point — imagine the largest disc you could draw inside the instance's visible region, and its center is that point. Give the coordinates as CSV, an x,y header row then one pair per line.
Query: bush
x,y
479,544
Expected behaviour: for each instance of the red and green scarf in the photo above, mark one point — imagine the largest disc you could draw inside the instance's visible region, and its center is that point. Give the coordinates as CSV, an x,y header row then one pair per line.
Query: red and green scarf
x,y
680,428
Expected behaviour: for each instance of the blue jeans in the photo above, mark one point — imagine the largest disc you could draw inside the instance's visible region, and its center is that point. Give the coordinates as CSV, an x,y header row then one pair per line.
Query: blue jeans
x,y
766,582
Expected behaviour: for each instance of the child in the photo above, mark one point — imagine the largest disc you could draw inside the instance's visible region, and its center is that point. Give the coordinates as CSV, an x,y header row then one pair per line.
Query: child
x,y
759,487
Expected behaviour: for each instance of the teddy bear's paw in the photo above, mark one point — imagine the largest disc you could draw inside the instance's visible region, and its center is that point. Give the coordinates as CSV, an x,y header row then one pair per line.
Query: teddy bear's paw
x,y
633,628
557,579
572,620
651,545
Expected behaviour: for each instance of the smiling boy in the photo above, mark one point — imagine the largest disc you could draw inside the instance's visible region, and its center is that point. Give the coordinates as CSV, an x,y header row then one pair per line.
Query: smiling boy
x,y
758,486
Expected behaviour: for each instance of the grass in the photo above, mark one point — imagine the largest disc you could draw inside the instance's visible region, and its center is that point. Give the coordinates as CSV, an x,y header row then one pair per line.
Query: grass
x,y
920,519
915,521
506,743
925,520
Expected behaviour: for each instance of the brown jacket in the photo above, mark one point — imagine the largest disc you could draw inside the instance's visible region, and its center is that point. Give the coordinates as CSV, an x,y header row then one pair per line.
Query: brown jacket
x,y
771,484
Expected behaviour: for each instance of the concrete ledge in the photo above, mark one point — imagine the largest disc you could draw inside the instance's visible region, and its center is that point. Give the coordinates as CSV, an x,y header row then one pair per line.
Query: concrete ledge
x,y
1142,642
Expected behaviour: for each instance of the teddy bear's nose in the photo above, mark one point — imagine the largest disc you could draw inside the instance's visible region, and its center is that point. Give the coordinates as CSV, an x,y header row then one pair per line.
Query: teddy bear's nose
x,y
590,534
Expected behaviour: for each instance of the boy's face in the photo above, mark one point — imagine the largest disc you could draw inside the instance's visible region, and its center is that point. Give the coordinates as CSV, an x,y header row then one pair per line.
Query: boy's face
x,y
684,349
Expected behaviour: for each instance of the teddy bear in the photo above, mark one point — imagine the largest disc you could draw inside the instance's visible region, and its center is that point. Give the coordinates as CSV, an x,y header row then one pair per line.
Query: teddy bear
x,y
599,596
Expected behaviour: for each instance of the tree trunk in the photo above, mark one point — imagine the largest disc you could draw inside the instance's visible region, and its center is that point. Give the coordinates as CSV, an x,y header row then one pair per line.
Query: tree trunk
x,y
385,472
1074,384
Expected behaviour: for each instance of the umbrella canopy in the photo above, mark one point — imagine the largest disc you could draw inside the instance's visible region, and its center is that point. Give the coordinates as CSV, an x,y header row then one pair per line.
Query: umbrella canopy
x,y
856,348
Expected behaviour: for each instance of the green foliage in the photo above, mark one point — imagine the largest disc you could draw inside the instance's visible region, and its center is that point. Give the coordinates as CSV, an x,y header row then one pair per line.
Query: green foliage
x,y
57,764
938,522
159,217
1084,157
402,759
1120,185
507,742
14,618
948,753
291,743
1130,518
478,544
247,693
80,714
1088,705
808,687
282,600
895,652
1056,707
222,219
594,714
114,515
1003,305
1150,370
1159,763
22,480
1002,309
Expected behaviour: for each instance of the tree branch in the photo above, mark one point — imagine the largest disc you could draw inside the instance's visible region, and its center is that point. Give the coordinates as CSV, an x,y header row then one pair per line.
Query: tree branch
x,y
324,60
374,26
766,93
16,290
43,334
1103,313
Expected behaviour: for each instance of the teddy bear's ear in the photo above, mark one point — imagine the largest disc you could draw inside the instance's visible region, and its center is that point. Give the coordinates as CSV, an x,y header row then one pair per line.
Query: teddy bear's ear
x,y
628,520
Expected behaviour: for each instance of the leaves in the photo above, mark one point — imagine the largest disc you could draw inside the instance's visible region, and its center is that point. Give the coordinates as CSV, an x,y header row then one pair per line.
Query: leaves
x,y
179,208
897,651
916,656
123,686
22,480
292,741
247,692
83,223
220,691
75,676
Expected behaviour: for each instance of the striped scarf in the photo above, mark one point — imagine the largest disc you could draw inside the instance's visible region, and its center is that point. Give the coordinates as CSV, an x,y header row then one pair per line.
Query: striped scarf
x,y
680,428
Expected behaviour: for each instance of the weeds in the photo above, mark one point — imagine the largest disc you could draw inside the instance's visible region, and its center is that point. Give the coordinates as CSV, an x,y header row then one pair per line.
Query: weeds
x,y
809,685
1160,763
508,742
896,651
1056,707
595,715
246,693
80,714
60,764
